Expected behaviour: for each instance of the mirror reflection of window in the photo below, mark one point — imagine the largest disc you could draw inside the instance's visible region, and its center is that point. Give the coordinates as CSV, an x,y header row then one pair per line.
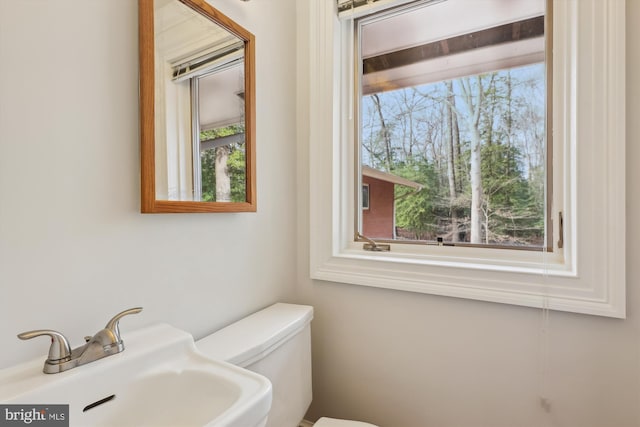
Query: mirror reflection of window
x,y
197,108
219,135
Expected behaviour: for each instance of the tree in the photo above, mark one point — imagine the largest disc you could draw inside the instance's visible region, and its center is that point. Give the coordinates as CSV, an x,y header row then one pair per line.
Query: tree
x,y
385,133
453,148
472,96
223,168
418,211
223,180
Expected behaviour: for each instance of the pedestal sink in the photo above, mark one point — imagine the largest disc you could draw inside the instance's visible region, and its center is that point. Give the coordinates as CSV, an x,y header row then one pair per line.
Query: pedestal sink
x,y
159,380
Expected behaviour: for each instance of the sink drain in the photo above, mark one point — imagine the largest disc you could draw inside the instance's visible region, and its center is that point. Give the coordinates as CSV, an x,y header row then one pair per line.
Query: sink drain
x,y
98,402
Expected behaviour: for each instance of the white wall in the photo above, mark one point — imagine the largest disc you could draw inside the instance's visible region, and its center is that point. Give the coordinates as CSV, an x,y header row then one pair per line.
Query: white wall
x,y
74,248
400,359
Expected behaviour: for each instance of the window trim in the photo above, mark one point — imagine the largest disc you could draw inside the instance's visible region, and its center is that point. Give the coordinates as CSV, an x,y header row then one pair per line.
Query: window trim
x,y
588,106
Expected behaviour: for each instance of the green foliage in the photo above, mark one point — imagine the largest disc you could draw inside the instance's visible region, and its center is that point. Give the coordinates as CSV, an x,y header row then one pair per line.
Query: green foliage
x,y
208,168
417,211
512,210
206,135
236,164
237,169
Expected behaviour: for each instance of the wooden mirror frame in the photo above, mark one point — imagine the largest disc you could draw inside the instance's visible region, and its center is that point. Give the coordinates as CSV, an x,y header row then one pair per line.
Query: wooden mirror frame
x,y
149,203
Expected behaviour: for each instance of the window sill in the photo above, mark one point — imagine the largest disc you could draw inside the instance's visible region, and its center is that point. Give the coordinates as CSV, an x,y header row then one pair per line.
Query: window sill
x,y
538,286
512,261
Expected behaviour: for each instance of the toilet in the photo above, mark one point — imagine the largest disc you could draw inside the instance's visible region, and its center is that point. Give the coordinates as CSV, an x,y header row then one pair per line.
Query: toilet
x,y
276,343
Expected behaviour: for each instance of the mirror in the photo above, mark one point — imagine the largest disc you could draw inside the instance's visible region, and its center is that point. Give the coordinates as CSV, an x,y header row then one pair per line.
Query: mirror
x,y
197,109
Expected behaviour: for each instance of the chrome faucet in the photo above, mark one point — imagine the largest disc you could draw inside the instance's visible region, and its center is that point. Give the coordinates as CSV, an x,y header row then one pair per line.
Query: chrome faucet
x,y
104,343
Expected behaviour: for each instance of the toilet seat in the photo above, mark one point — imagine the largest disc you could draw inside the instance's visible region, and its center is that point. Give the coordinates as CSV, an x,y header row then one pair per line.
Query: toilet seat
x,y
333,422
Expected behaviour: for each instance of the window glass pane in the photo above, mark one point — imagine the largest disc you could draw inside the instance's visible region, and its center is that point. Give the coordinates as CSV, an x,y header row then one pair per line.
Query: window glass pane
x,y
221,144
454,129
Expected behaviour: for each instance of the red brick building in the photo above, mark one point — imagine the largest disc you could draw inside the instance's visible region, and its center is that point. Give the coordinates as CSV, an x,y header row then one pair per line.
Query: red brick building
x,y
378,202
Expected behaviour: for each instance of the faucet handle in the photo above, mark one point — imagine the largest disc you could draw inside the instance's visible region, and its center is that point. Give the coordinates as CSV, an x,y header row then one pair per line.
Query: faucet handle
x,y
59,350
112,325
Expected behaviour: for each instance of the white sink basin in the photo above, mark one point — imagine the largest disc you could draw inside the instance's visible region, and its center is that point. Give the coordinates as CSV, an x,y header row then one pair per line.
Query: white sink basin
x,y
159,380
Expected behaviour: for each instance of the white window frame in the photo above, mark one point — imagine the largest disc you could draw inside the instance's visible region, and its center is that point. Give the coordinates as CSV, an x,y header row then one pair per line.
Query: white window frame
x,y
586,276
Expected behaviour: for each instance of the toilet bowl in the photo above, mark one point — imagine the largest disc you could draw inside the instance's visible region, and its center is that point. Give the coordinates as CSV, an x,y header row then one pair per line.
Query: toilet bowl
x,y
333,422
276,343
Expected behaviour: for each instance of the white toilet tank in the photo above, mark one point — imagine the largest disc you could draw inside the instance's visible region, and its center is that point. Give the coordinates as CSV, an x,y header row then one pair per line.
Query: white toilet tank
x,y
274,342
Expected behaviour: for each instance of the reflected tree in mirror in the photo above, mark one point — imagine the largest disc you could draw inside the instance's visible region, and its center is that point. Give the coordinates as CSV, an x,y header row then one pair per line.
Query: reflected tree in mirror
x,y
223,170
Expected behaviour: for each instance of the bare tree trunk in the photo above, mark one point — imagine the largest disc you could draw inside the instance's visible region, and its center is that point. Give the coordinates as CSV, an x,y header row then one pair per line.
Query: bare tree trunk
x,y
476,188
223,180
509,118
491,114
486,223
509,107
452,146
457,150
385,132
473,121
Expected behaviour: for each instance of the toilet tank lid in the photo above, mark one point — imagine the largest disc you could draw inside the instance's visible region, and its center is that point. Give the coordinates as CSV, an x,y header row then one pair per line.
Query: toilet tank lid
x,y
257,335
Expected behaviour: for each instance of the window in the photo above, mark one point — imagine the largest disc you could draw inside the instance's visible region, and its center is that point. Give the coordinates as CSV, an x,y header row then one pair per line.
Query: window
x,y
365,197
218,130
461,109
585,273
